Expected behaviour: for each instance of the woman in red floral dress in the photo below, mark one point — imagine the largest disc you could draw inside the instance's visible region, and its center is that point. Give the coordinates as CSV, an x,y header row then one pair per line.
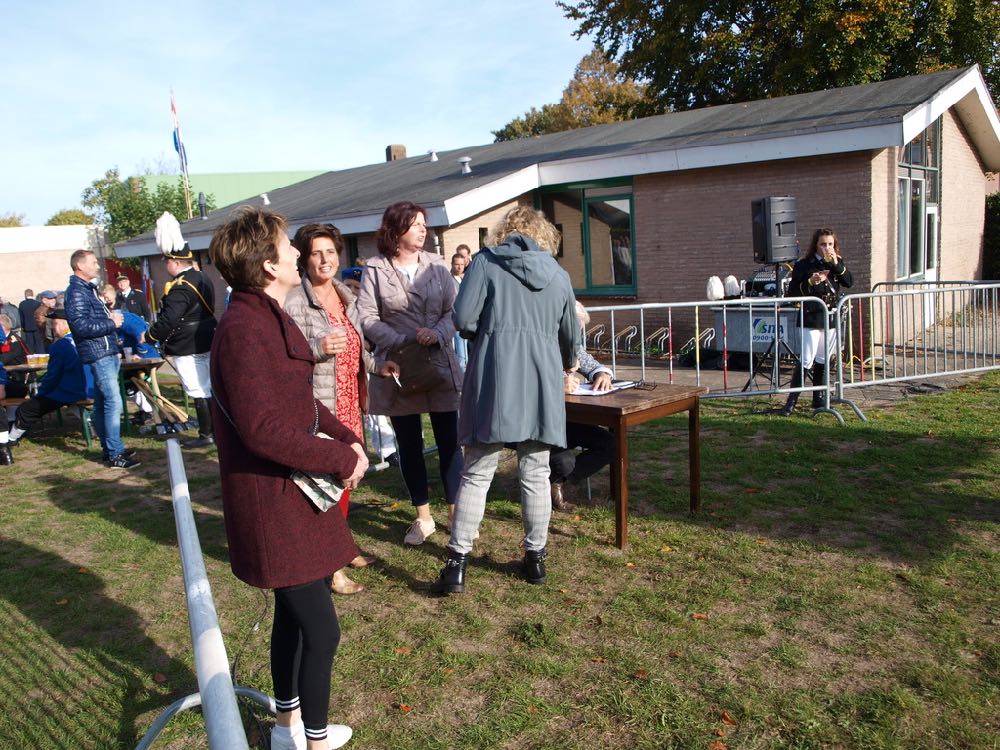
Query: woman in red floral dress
x,y
324,309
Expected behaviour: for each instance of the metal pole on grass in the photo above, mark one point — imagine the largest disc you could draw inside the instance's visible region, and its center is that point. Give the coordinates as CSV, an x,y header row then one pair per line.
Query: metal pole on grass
x,y
215,685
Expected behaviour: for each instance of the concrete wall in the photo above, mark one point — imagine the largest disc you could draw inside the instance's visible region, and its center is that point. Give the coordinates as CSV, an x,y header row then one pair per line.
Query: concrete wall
x,y
37,258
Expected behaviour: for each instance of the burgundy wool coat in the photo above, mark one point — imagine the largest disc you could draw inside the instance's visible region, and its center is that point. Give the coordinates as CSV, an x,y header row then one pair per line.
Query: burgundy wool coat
x,y
262,376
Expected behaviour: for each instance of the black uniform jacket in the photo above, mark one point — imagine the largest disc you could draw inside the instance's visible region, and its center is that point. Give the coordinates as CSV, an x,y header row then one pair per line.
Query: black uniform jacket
x,y
186,321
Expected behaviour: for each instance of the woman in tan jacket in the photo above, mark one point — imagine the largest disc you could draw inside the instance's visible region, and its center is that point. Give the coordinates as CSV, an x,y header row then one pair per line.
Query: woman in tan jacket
x,y
407,295
325,311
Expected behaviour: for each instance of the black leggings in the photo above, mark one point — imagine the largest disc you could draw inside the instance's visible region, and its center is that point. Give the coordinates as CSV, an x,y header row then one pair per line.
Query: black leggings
x,y
410,444
304,639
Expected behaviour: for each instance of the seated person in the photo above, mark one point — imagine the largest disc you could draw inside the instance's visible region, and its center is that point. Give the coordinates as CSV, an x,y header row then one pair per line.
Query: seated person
x,y
65,382
566,467
7,390
13,350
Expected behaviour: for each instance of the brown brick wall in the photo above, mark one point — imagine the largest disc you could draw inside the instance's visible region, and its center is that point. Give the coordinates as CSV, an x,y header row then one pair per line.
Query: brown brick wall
x,y
695,224
963,204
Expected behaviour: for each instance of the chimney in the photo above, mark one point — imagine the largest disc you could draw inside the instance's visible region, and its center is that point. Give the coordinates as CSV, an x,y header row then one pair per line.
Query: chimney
x,y
202,206
395,152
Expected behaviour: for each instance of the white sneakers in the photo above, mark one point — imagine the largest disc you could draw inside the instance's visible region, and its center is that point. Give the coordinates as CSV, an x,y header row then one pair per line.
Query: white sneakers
x,y
419,531
294,737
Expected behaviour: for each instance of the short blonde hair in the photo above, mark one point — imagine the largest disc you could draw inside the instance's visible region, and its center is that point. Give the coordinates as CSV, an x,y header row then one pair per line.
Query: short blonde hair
x,y
532,224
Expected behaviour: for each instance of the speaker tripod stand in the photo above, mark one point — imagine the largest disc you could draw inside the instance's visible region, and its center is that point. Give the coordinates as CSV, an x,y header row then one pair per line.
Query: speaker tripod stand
x,y
775,350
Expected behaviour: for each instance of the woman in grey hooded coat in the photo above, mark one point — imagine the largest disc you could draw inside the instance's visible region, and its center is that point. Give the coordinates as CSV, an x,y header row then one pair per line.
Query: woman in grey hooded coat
x,y
517,309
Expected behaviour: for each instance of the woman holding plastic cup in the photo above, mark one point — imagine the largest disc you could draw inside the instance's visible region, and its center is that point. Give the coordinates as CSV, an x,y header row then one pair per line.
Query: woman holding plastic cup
x,y
325,310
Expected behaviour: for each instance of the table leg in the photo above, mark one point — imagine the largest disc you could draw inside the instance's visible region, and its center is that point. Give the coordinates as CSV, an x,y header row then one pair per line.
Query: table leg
x,y
126,425
619,485
694,455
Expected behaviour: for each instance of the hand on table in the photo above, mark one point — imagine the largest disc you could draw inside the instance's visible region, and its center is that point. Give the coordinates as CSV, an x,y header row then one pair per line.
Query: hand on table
x,y
602,382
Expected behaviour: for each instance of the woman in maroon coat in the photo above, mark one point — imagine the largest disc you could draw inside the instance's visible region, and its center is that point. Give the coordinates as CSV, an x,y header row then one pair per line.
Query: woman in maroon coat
x,y
265,416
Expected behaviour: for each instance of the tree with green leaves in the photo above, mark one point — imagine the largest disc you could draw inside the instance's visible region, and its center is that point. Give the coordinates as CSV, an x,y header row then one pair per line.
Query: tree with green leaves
x,y
69,216
597,94
694,53
127,208
11,219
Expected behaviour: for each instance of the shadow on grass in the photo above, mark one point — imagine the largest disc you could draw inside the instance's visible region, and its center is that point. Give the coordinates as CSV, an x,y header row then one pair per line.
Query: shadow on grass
x,y
74,639
890,492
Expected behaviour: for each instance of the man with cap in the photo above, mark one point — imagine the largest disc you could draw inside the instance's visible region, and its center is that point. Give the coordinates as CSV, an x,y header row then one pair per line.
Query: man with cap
x,y
65,380
129,299
184,329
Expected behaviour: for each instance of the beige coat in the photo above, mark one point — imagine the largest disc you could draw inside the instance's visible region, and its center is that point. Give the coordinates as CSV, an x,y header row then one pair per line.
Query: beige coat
x,y
391,311
302,306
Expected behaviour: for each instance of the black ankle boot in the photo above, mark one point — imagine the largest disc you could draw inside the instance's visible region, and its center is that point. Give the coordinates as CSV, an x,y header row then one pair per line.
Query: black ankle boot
x,y
533,567
793,398
451,580
819,378
6,457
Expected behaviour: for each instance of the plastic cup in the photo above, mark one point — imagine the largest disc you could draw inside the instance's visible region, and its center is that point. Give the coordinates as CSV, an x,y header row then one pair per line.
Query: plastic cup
x,y
128,352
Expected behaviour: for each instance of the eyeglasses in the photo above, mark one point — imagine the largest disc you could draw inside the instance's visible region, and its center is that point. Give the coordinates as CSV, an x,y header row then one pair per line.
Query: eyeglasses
x,y
642,385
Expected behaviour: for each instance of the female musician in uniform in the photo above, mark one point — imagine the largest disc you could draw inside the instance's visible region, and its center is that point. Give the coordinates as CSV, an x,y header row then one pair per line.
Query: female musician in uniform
x,y
819,273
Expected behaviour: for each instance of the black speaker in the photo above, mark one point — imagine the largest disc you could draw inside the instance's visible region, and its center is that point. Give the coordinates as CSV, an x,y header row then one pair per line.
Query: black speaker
x,y
774,238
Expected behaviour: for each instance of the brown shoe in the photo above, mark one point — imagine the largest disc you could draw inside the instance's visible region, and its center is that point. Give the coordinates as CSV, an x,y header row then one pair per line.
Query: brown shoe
x,y
344,585
559,501
361,561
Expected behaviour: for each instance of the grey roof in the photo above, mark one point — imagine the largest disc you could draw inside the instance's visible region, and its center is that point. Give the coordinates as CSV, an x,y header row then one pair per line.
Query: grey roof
x,y
366,190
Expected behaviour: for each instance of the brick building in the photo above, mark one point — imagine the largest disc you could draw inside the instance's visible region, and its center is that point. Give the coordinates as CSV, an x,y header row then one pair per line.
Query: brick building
x,y
650,208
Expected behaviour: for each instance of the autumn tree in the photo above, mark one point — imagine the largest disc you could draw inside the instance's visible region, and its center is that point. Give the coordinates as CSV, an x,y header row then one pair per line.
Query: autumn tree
x,y
693,53
69,216
11,220
127,207
597,94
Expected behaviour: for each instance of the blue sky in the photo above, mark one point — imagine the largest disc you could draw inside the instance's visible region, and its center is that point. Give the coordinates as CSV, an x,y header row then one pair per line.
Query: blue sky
x,y
261,86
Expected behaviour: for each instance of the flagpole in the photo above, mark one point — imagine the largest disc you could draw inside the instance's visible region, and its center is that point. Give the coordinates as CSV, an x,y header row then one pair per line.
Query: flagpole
x,y
181,154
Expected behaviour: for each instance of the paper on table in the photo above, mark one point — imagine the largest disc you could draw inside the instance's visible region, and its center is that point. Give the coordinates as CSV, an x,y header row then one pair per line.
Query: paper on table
x,y
586,389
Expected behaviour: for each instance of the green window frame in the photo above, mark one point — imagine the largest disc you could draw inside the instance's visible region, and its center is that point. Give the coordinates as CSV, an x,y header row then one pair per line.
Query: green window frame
x,y
597,220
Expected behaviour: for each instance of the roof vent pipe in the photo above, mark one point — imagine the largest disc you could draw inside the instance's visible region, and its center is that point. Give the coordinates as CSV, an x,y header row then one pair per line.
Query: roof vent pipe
x,y
434,155
202,206
465,161
264,199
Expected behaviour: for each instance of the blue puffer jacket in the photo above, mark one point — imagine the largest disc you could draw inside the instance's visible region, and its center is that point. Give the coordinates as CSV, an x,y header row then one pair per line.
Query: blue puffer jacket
x,y
89,320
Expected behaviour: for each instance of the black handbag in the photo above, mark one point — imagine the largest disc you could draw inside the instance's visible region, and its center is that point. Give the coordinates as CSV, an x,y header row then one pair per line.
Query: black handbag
x,y
417,371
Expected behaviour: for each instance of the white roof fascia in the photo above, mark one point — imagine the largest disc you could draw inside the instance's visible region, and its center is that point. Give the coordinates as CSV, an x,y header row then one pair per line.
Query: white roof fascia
x,y
699,157
489,196
971,100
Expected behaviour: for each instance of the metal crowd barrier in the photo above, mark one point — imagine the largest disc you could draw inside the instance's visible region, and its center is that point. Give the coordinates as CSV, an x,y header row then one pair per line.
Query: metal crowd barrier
x,y
216,692
914,330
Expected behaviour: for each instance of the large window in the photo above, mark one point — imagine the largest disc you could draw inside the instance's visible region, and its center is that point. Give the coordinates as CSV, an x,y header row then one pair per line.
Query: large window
x,y
917,205
597,225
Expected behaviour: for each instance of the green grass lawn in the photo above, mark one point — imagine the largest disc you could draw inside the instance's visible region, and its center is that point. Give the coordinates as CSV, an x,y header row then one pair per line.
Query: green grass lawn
x,y
839,590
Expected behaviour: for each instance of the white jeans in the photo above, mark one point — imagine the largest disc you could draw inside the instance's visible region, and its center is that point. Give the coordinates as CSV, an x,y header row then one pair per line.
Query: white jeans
x,y
481,461
194,373
381,437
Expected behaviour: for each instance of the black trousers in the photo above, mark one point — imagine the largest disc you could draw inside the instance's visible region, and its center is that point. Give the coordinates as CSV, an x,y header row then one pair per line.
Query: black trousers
x,y
410,446
598,448
304,640
31,411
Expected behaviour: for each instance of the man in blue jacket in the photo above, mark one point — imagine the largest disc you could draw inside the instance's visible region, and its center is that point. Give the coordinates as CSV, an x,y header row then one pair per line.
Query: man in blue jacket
x,y
94,331
65,380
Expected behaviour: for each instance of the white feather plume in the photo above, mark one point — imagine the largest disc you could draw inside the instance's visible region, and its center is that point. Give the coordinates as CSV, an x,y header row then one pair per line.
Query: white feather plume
x,y
168,233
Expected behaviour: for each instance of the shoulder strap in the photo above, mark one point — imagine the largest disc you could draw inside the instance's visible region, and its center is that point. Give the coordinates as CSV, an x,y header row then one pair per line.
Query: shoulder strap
x,y
203,302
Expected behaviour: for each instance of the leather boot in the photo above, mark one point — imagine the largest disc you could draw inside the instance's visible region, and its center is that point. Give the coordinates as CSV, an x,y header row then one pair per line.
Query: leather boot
x,y
533,567
559,501
451,580
793,398
818,378
6,457
203,408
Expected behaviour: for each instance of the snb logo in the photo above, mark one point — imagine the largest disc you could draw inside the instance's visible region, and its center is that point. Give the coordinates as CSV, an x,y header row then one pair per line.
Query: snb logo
x,y
764,328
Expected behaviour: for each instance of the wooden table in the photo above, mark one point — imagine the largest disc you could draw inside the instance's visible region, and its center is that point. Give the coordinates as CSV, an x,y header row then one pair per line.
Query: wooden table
x,y
133,368
620,410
